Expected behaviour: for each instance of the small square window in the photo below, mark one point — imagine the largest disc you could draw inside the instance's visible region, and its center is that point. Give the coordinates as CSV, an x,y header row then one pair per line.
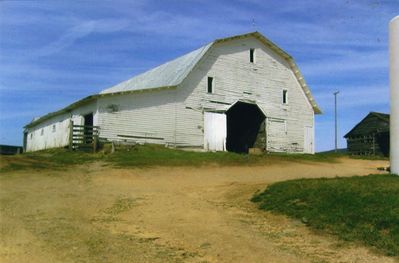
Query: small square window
x,y
285,97
31,135
53,128
41,132
252,55
210,85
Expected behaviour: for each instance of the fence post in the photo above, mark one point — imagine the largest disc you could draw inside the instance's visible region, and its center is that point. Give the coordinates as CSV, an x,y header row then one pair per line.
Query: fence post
x,y
94,143
70,135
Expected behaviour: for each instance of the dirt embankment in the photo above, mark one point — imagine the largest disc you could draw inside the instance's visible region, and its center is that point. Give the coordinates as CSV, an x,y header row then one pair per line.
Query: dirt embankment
x,y
96,213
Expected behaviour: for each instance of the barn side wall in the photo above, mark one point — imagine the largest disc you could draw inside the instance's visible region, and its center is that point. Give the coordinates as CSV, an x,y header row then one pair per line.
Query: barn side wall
x,y
54,132
235,78
145,117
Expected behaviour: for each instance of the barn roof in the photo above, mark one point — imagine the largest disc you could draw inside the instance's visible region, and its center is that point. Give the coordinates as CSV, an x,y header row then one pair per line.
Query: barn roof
x,y
172,73
382,116
364,127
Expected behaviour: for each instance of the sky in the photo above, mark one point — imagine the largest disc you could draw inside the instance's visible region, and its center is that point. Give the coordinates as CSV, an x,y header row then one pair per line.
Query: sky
x,y
53,53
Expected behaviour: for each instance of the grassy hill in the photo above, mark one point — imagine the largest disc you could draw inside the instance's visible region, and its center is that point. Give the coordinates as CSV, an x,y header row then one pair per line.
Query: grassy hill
x,y
149,156
361,209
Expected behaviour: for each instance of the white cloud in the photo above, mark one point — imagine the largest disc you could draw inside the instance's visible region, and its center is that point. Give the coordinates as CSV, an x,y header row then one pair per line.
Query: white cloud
x,y
80,31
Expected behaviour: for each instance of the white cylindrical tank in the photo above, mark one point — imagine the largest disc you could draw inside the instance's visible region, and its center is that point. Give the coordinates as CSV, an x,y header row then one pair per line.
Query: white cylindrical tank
x,y
394,83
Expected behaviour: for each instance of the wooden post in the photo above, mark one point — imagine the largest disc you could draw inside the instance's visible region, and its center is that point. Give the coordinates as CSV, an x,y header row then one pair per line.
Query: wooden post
x,y
94,143
113,147
70,135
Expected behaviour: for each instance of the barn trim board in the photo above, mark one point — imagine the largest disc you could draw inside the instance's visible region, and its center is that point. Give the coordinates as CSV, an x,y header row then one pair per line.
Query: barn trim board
x,y
173,102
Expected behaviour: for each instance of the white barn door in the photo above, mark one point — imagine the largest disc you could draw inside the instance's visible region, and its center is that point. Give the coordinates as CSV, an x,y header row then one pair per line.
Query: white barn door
x,y
308,140
215,131
277,135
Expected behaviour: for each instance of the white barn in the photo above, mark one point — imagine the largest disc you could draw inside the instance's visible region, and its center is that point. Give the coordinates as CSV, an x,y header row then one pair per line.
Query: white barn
x,y
233,94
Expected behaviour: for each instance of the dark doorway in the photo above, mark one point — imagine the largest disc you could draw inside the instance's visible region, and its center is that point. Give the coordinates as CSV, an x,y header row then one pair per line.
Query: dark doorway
x,y
88,128
88,119
244,121
382,140
25,141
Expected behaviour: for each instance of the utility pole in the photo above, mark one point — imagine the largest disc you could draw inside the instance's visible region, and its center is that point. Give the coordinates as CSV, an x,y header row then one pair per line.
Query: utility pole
x,y
336,121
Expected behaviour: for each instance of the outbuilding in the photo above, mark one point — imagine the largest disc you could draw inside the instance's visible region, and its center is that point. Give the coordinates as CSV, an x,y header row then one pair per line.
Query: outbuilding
x,y
232,94
370,136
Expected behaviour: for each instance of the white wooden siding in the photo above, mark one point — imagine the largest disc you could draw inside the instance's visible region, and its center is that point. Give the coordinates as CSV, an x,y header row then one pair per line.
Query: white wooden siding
x,y
60,138
147,117
262,82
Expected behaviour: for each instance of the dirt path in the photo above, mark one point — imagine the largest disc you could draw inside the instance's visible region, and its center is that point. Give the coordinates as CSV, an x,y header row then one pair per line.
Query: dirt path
x,y
171,215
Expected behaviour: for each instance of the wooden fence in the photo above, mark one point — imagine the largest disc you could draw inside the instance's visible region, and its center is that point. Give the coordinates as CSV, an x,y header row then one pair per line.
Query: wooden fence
x,y
83,137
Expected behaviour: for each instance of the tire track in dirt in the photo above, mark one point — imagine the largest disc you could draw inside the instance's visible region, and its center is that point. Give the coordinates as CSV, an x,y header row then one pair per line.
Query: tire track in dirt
x,y
181,214
206,211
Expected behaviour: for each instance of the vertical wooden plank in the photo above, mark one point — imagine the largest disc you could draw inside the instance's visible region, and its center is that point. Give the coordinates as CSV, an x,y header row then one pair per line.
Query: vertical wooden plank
x,y
94,142
70,135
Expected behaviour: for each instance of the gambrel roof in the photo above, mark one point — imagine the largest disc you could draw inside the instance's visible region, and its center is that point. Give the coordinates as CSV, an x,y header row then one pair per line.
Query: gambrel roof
x,y
172,73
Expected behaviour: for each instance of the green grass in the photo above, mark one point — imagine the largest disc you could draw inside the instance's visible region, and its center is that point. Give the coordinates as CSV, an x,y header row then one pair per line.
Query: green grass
x,y
150,156
48,159
369,157
156,155
361,209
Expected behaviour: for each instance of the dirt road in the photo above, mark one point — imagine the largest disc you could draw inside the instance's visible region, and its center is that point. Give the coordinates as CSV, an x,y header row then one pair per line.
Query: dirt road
x,y
100,214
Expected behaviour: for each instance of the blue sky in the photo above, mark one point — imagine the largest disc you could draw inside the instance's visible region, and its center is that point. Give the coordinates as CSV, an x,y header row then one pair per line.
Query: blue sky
x,y
53,53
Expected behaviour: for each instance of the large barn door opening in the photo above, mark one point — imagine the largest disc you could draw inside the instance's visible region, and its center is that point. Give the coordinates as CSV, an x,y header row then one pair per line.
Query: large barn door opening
x,y
214,131
244,122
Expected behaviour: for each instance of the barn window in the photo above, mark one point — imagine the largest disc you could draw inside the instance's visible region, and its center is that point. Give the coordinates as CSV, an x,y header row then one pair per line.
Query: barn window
x,y
53,127
210,84
285,97
31,135
41,132
252,55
